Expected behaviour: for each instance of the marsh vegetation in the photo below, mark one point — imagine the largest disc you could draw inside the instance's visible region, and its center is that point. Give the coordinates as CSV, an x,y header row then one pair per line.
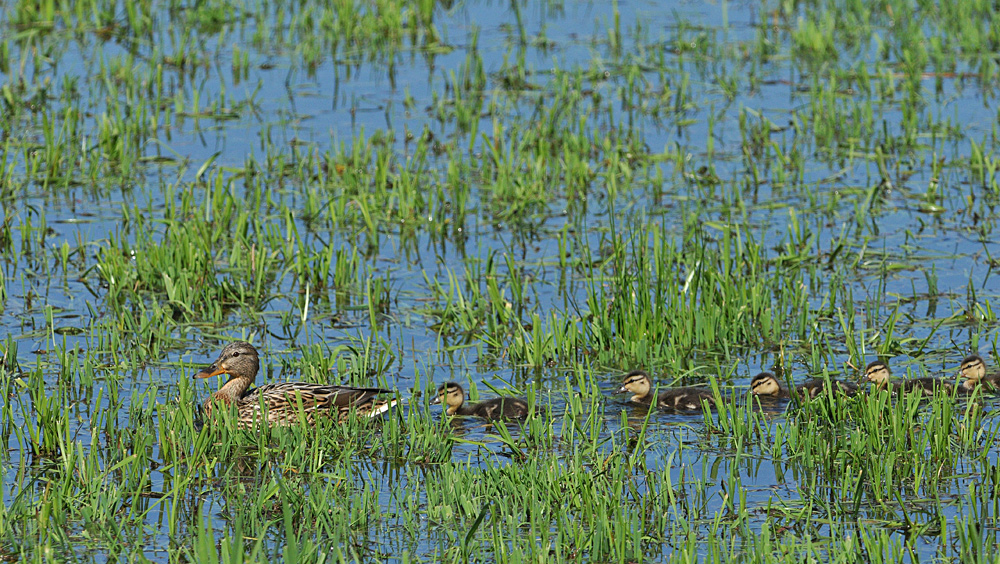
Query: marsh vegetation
x,y
529,199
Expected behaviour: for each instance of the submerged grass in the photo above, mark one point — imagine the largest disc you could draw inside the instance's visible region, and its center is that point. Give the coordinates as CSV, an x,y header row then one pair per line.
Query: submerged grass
x,y
704,194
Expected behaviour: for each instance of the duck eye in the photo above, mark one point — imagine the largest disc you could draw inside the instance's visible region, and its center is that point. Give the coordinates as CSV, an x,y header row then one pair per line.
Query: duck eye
x,y
236,354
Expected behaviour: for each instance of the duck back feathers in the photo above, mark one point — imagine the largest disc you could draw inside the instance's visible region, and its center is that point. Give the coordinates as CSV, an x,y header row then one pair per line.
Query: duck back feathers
x,y
283,403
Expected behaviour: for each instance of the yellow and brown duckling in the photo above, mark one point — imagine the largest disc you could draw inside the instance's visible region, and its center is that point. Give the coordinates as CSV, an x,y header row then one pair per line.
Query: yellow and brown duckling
x,y
877,372
767,384
452,396
973,369
281,401
638,383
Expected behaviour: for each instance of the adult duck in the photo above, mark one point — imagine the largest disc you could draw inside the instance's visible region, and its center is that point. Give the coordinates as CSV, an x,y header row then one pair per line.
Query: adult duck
x,y
283,403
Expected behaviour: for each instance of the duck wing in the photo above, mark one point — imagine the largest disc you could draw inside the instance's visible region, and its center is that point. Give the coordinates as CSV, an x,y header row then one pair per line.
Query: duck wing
x,y
282,400
313,396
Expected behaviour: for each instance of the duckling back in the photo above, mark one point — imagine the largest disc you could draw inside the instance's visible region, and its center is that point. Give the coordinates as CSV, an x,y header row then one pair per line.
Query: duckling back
x,y
813,387
927,386
685,399
498,408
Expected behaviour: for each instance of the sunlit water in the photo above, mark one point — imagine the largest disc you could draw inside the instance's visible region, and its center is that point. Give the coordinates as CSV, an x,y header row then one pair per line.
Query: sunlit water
x,y
340,100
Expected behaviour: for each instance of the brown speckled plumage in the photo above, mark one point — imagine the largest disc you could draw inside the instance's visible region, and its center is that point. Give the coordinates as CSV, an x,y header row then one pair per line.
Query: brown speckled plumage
x,y
281,401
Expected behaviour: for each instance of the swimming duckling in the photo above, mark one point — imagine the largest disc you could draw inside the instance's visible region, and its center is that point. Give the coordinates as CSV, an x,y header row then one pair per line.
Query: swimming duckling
x,y
767,384
974,370
878,373
453,396
681,399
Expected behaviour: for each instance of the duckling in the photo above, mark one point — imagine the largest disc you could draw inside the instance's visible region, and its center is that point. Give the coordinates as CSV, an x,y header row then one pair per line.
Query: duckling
x,y
453,396
767,384
974,370
681,399
878,373
282,401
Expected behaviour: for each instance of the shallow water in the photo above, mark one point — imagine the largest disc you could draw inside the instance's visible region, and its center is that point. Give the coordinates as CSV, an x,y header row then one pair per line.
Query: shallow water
x,y
931,263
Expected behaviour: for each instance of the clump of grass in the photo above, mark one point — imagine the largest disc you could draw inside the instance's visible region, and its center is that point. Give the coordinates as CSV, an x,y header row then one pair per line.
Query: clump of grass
x,y
533,212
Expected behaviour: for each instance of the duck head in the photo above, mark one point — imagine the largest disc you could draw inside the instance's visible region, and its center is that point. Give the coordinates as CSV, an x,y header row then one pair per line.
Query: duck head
x,y
765,384
637,383
240,361
877,372
452,395
973,368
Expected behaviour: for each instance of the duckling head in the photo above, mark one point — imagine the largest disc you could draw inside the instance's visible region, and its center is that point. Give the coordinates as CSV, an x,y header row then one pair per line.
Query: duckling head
x,y
877,372
765,384
452,395
636,382
973,368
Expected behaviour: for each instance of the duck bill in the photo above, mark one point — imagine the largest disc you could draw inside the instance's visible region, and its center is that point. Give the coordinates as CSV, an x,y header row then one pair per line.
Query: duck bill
x,y
209,372
621,390
435,400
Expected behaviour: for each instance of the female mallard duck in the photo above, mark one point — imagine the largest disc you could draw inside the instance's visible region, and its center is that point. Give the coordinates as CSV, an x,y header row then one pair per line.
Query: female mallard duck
x,y
768,385
974,371
877,372
453,396
681,399
282,401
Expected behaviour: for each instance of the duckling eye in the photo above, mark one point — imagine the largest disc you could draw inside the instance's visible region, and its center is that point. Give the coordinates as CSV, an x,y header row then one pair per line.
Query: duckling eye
x,y
236,354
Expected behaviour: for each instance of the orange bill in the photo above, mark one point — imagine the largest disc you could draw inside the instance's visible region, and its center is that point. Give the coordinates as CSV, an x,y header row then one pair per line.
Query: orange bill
x,y
209,372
